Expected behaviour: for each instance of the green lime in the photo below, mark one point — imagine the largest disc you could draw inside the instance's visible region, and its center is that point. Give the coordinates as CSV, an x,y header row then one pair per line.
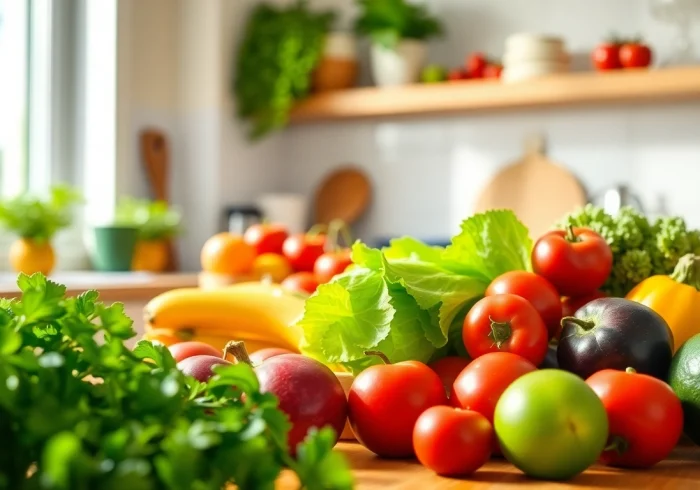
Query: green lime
x,y
684,378
550,424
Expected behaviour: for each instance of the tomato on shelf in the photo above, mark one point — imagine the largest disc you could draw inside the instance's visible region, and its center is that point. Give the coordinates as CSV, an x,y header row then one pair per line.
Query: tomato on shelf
x,y
635,54
606,56
476,64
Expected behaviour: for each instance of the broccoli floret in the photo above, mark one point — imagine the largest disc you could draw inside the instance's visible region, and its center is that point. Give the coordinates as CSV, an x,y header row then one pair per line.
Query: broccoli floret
x,y
596,219
629,269
632,229
672,242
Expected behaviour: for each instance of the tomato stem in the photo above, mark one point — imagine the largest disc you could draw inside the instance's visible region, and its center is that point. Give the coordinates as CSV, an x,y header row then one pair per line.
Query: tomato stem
x,y
570,235
337,229
317,229
500,332
237,349
618,444
687,271
379,354
584,324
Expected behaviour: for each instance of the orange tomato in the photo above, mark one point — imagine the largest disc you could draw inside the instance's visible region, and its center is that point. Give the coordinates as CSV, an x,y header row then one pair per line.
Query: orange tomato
x,y
226,253
30,256
275,266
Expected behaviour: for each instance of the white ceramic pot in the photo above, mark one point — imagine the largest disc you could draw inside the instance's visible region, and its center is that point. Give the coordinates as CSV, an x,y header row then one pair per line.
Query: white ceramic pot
x,y
399,66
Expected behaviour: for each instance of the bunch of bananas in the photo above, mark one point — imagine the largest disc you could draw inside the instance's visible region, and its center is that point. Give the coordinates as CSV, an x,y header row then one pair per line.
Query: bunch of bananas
x,y
260,314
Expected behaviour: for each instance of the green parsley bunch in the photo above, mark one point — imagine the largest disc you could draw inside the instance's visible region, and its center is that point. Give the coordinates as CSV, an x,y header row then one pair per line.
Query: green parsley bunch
x,y
79,410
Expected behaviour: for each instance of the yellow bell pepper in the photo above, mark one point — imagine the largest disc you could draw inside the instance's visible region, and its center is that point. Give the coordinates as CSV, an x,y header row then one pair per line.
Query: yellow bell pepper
x,y
676,298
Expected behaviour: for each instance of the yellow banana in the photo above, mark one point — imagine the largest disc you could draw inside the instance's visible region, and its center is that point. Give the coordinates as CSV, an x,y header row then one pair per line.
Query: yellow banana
x,y
254,311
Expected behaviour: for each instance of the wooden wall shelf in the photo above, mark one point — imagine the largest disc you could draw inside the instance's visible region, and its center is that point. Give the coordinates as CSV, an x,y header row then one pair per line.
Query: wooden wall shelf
x,y
575,89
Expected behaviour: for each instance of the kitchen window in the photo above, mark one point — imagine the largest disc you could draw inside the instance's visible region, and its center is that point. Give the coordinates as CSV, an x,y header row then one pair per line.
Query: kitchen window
x,y
58,99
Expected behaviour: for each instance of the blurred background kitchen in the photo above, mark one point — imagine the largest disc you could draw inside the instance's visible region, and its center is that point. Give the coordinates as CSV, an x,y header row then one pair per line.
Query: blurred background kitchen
x,y
396,116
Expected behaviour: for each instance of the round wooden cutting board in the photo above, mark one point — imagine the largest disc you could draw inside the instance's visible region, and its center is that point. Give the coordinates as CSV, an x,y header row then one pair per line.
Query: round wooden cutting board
x,y
540,192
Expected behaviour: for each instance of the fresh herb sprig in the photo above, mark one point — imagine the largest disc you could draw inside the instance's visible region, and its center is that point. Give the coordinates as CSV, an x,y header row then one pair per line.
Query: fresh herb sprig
x,y
280,50
387,22
155,220
81,413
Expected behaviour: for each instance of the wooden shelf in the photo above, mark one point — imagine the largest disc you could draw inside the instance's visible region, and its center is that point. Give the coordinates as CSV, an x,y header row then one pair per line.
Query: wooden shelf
x,y
575,89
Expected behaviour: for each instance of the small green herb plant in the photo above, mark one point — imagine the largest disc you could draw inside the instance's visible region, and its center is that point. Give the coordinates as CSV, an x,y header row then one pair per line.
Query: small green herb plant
x,y
38,219
77,413
280,49
155,220
387,22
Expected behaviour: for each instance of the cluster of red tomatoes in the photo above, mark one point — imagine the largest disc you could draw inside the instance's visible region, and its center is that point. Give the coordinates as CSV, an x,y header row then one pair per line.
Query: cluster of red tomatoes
x,y
616,54
447,413
311,256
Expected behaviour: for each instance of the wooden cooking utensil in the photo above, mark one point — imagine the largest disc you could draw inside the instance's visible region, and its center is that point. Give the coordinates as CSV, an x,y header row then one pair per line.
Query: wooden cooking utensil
x,y
538,190
154,149
344,194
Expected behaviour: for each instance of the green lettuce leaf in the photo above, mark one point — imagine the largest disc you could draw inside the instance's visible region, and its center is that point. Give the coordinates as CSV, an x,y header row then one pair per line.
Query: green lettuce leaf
x,y
490,244
435,289
364,256
347,316
410,248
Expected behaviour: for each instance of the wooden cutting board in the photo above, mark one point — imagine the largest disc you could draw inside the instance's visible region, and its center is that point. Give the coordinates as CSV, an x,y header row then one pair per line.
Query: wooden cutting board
x,y
539,191
343,194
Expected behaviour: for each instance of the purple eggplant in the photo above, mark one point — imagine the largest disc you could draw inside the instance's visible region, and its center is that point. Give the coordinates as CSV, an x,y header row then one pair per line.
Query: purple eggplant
x,y
615,333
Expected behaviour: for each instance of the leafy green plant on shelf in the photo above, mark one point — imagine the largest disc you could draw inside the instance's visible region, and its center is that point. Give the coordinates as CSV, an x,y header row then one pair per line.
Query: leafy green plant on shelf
x,y
280,49
387,22
36,220
78,413
157,223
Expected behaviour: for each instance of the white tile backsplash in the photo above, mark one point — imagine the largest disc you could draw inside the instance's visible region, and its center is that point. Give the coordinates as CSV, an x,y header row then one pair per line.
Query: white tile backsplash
x,y
427,173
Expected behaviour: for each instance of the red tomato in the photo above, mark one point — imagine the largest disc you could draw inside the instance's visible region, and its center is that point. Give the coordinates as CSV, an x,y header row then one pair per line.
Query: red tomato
x,y
452,442
606,57
537,290
481,384
644,414
635,55
576,261
569,306
183,350
266,238
302,250
493,70
448,368
330,264
303,282
457,75
385,401
476,64
505,323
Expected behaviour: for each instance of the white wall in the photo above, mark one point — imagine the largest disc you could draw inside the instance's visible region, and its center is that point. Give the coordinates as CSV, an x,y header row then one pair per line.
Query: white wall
x,y
426,171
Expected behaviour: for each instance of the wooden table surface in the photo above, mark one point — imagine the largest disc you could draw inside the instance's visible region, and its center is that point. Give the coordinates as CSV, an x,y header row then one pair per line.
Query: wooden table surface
x,y
681,471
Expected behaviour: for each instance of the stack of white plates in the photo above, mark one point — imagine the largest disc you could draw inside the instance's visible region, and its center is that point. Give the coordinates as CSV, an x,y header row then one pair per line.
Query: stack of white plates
x,y
533,55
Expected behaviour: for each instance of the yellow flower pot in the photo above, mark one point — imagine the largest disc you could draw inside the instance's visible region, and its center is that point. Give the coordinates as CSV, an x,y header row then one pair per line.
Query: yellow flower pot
x,y
30,256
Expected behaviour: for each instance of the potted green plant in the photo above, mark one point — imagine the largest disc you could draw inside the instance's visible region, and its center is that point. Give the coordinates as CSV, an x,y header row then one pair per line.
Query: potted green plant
x,y
36,220
398,31
279,52
157,224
